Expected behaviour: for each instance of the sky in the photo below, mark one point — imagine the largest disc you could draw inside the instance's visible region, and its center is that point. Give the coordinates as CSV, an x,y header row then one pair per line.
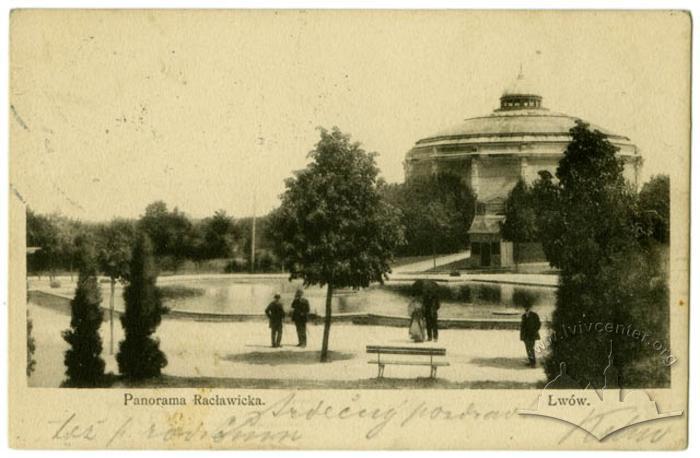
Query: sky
x,y
211,110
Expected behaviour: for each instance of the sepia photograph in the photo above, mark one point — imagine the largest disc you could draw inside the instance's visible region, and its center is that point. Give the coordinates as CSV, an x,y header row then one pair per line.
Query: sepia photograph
x,y
268,219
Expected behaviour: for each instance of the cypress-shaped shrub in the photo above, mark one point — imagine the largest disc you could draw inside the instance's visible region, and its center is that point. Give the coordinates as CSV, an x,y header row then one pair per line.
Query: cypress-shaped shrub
x,y
139,354
84,365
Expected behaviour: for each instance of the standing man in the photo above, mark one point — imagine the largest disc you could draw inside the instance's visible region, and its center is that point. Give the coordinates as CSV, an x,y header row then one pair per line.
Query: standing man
x,y
275,313
431,305
530,332
300,315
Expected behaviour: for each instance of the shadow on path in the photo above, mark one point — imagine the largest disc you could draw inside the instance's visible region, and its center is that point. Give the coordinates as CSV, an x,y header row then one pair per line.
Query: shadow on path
x,y
168,381
274,358
502,363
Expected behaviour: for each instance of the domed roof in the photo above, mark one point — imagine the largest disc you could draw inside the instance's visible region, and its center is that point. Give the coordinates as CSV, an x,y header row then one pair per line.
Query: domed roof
x,y
520,115
512,123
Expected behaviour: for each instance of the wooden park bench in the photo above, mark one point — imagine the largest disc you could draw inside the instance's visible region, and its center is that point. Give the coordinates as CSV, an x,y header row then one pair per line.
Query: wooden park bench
x,y
428,353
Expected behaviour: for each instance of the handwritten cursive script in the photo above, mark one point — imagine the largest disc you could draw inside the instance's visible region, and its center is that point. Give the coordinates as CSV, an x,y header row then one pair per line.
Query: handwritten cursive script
x,y
281,423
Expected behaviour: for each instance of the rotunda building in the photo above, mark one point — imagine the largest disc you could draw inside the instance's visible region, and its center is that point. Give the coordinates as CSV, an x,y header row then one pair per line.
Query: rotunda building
x,y
492,152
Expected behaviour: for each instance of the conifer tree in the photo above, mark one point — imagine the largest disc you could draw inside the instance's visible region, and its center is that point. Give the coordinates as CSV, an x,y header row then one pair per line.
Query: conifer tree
x,y
139,354
606,274
84,365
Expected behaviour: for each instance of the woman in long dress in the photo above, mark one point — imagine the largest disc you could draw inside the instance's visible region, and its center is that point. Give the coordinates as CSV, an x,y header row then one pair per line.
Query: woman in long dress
x,y
416,327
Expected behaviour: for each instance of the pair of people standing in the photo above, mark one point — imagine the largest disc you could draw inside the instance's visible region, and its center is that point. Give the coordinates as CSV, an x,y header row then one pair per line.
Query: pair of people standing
x,y
300,315
424,317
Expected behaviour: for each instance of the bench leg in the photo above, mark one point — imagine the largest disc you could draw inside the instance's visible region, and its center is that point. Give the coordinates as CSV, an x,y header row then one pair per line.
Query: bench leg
x,y
380,367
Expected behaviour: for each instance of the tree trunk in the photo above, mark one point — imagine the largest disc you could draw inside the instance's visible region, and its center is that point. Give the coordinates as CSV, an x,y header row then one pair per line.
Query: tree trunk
x,y
516,254
111,315
327,324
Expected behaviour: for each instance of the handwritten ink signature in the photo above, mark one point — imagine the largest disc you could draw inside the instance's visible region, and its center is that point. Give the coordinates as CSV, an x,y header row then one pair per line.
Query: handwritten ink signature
x,y
283,422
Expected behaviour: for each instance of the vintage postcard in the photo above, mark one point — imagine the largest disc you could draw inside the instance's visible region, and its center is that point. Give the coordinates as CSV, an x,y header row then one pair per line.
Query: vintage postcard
x,y
259,229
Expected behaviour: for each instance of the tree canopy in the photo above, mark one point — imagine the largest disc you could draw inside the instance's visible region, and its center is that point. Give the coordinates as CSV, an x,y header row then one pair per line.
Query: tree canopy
x,y
179,238
333,227
171,232
115,240
435,211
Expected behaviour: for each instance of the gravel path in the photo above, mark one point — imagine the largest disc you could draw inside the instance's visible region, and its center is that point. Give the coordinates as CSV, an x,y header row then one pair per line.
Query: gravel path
x,y
209,350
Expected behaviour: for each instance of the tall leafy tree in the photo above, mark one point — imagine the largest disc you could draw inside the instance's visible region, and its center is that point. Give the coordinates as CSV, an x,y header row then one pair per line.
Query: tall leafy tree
x,y
42,233
436,212
520,224
84,365
58,238
115,240
220,235
333,227
172,232
70,234
435,225
154,222
139,354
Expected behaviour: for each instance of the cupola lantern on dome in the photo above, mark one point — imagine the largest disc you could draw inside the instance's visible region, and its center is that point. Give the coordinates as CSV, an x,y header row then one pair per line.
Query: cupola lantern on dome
x,y
521,95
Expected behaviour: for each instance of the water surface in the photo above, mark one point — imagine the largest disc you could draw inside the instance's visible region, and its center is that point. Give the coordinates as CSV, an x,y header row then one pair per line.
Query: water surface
x,y
466,299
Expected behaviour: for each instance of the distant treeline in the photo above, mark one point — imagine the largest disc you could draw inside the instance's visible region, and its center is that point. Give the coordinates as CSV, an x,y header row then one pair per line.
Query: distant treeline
x,y
436,213
176,238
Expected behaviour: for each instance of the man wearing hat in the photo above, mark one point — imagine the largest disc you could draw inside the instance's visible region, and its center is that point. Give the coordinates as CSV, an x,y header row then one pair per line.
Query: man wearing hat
x,y
300,314
275,313
530,332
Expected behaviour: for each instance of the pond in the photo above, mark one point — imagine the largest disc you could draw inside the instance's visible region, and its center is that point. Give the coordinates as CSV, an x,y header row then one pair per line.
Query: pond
x,y
463,299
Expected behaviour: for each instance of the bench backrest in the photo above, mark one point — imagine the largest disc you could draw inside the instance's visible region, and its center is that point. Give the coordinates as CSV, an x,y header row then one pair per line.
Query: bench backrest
x,y
428,351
